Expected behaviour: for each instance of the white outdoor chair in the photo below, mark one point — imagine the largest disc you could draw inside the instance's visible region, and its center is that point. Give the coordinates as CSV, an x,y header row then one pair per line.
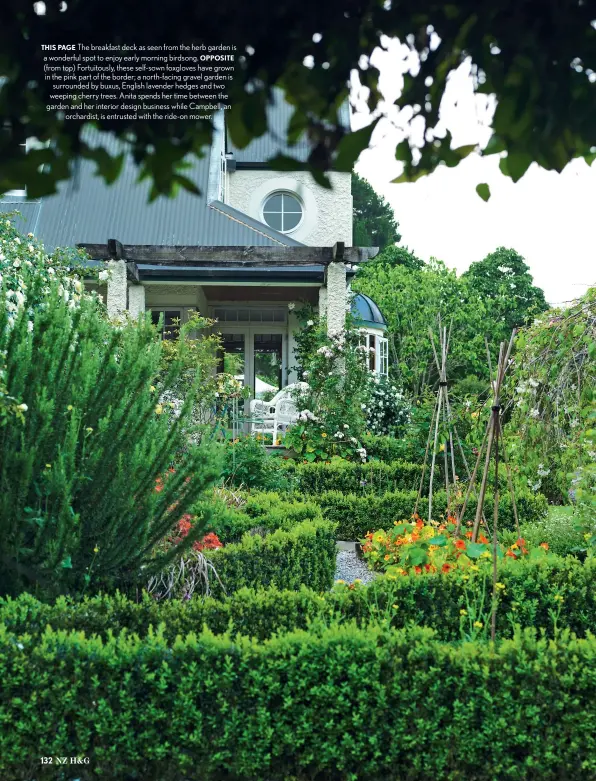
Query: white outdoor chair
x,y
262,413
286,414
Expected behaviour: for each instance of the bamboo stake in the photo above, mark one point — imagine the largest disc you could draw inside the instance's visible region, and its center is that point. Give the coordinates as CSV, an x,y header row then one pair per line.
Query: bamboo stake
x,y
432,466
510,484
493,618
430,429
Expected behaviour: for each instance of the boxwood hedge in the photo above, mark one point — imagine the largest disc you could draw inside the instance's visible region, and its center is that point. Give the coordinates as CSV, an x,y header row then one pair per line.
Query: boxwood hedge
x,y
341,703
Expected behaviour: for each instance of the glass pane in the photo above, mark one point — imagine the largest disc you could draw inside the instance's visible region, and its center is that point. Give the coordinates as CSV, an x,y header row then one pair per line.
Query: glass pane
x,y
267,365
291,204
233,355
171,322
291,220
273,220
273,203
372,352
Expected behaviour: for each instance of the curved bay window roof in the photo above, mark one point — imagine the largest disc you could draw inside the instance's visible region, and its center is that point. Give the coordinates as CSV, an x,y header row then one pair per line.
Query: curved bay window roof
x,y
367,313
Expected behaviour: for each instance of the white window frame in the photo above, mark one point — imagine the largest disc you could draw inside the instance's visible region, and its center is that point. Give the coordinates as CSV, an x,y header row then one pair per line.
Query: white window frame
x,y
383,355
283,192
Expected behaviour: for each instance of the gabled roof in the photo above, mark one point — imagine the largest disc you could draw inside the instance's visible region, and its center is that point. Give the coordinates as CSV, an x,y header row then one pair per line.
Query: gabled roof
x,y
274,140
86,209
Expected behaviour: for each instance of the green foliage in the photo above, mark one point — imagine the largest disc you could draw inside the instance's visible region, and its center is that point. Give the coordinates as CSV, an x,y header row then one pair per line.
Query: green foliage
x,y
265,512
433,601
562,529
410,300
388,411
302,705
78,508
552,432
364,478
374,221
247,464
356,514
385,448
517,62
331,416
286,558
396,256
503,280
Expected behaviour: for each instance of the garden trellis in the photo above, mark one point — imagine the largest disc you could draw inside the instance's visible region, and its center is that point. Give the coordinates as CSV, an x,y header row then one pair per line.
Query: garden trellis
x,y
492,444
442,411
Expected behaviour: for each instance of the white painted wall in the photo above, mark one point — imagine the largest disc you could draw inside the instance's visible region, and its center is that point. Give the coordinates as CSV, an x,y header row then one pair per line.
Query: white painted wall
x,y
327,213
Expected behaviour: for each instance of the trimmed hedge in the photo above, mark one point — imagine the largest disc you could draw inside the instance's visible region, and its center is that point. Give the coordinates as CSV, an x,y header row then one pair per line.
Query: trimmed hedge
x,y
338,703
268,511
287,558
350,477
386,448
355,515
432,600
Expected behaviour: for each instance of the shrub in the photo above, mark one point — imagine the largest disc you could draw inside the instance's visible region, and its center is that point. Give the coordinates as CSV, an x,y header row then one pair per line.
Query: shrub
x,y
269,511
304,554
388,411
384,448
331,418
247,464
560,529
373,477
433,601
335,703
357,514
77,505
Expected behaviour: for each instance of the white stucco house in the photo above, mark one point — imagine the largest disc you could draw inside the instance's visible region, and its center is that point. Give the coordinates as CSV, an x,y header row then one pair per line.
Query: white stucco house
x,y
248,252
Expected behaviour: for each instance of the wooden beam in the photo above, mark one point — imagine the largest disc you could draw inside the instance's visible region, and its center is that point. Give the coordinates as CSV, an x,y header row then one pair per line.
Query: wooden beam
x,y
233,256
115,249
339,251
132,272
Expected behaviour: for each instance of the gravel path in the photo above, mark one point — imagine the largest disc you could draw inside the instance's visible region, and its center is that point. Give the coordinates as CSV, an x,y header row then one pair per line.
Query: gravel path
x,y
350,568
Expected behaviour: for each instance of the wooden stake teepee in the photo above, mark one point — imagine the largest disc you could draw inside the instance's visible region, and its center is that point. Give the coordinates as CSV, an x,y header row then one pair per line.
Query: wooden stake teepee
x,y
441,412
492,444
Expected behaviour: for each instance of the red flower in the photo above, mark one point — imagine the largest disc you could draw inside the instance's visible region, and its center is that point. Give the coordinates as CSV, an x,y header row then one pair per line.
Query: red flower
x,y
209,542
520,541
511,554
460,544
418,570
446,568
184,524
544,545
468,535
419,523
482,539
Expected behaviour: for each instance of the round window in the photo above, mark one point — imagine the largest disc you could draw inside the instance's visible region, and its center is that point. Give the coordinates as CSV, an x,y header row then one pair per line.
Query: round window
x,y
282,212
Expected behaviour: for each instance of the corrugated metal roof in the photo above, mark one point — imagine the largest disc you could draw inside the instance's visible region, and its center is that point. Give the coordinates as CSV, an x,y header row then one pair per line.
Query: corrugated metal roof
x,y
274,141
86,210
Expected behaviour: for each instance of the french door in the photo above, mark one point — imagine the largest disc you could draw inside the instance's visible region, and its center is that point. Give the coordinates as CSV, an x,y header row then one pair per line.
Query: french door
x,y
257,356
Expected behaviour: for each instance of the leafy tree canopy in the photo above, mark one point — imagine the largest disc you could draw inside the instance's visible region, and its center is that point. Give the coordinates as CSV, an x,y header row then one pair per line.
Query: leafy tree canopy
x,y
411,299
504,279
535,57
374,220
398,256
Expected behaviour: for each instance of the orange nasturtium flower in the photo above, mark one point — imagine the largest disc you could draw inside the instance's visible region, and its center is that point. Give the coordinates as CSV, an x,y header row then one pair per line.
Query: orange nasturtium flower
x,y
460,544
544,545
